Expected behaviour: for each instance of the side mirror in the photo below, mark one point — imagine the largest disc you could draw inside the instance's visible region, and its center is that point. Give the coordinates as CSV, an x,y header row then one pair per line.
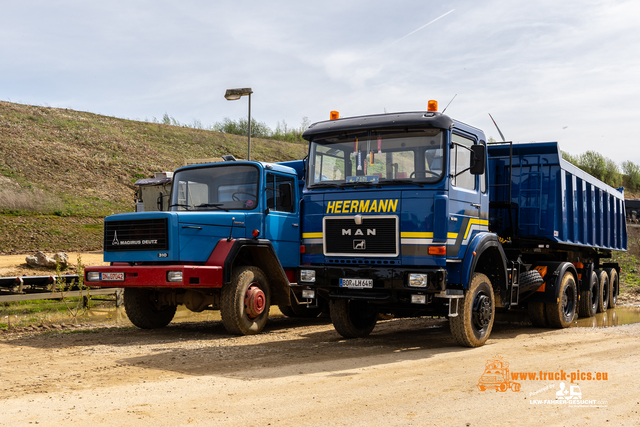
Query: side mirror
x,y
478,159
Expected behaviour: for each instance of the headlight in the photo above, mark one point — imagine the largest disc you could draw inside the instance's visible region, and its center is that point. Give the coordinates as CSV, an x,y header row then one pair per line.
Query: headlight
x,y
418,280
307,275
418,299
308,294
93,276
174,276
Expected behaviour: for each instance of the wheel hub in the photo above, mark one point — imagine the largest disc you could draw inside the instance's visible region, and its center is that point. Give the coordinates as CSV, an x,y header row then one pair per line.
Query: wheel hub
x,y
254,301
482,311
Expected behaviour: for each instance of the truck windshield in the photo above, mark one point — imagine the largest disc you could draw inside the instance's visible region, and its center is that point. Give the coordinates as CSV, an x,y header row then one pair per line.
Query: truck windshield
x,y
220,187
377,157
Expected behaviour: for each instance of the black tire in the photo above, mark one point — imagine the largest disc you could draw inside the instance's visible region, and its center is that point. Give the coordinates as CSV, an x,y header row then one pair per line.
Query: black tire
x,y
287,310
145,311
530,281
614,286
472,326
538,314
245,302
589,297
352,318
302,311
296,310
560,313
603,294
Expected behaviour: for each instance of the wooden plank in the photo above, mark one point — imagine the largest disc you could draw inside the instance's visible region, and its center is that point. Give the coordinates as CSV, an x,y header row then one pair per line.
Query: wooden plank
x,y
59,295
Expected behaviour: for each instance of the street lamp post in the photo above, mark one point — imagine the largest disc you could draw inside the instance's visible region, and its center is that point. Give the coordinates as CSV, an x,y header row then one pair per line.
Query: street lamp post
x,y
235,94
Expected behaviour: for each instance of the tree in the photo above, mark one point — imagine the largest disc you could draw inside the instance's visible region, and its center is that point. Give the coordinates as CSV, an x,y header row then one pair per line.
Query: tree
x,y
632,172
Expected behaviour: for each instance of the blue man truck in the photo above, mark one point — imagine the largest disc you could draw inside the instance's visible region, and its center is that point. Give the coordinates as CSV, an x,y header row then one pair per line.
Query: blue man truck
x,y
414,214
230,241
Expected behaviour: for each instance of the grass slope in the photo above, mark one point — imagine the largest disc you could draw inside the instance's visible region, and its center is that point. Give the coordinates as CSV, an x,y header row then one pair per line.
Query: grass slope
x,y
58,163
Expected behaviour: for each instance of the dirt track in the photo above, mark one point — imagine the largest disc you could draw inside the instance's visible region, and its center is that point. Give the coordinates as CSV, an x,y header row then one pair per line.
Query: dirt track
x,y
300,372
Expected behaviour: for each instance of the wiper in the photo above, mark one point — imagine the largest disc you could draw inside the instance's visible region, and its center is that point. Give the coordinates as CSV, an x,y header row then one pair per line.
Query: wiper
x,y
326,185
212,205
181,205
356,184
401,181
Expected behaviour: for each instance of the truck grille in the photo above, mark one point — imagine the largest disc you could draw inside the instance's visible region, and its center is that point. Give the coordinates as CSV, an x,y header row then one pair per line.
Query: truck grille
x,y
375,236
136,235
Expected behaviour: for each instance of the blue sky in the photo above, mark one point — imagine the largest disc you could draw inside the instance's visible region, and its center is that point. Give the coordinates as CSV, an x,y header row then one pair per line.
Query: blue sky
x,y
546,70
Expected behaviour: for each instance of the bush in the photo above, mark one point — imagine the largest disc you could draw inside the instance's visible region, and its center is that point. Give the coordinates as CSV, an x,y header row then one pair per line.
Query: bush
x,y
260,130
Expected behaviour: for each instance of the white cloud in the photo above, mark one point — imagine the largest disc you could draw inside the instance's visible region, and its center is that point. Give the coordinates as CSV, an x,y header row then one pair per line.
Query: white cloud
x,y
546,70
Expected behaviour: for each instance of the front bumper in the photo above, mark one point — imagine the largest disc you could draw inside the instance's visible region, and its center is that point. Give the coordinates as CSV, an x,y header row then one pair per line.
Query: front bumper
x,y
389,284
155,276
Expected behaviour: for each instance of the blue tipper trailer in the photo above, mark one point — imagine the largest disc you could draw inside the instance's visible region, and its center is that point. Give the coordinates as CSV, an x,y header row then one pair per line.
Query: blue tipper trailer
x,y
554,201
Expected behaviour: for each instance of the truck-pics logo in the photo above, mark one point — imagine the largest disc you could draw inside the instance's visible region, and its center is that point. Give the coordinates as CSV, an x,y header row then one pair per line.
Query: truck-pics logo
x,y
496,376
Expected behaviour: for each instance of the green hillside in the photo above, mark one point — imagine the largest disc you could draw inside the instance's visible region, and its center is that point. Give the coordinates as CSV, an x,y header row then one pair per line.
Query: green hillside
x,y
62,171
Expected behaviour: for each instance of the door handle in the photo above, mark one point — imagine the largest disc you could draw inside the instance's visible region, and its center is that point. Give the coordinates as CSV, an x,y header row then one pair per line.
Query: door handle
x,y
294,224
476,205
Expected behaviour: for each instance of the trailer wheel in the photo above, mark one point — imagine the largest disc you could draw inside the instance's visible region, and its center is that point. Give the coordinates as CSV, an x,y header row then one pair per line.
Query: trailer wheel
x,y
145,311
538,314
352,318
472,326
560,313
589,298
245,302
603,294
614,286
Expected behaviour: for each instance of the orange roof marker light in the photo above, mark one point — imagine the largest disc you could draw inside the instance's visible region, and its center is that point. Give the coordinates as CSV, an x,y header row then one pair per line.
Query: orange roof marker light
x,y
334,115
432,105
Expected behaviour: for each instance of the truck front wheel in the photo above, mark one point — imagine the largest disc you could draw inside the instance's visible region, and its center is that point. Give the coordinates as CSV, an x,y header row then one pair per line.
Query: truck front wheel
x,y
560,313
245,302
144,309
472,326
352,318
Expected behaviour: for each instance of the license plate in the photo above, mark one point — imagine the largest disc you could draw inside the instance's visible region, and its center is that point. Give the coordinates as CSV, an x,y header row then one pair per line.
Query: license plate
x,y
112,277
356,283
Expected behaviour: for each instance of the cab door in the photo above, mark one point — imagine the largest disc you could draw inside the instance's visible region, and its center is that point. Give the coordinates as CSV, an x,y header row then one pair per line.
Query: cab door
x,y
282,223
465,196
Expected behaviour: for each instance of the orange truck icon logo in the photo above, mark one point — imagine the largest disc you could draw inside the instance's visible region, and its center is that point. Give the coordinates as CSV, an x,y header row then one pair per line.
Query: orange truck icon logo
x,y
496,376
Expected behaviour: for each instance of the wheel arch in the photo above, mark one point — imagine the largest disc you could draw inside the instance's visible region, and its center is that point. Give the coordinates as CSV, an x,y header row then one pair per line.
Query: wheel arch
x,y
485,255
259,253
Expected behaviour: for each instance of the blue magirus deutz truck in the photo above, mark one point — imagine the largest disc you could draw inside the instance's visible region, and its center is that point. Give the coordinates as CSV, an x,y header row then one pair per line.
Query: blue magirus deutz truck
x,y
230,241
414,214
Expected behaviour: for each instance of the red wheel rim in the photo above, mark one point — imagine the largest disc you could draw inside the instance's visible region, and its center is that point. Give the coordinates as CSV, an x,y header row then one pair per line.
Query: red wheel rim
x,y
255,301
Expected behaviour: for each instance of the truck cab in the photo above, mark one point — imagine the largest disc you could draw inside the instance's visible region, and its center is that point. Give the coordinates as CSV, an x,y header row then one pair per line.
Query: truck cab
x,y
392,204
230,241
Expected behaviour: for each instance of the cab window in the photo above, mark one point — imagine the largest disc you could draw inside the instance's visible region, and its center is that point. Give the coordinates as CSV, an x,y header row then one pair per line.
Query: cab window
x,y
460,161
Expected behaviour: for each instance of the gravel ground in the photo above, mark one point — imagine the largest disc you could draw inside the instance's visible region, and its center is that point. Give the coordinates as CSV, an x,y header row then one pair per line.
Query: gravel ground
x,y
301,372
